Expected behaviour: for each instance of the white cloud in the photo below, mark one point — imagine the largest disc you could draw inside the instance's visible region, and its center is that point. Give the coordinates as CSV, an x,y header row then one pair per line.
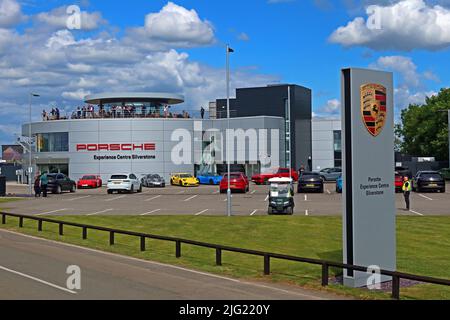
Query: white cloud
x,y
10,13
173,26
243,37
331,108
404,97
405,25
402,65
77,95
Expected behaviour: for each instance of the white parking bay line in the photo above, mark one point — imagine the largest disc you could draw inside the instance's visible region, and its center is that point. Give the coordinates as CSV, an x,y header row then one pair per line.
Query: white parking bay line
x,y
181,192
328,191
116,198
267,198
253,192
425,197
253,213
50,212
306,213
79,198
37,280
100,212
151,212
189,199
201,212
154,198
418,213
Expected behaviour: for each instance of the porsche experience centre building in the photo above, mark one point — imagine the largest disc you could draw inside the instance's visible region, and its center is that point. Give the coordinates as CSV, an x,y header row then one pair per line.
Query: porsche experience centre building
x,y
139,133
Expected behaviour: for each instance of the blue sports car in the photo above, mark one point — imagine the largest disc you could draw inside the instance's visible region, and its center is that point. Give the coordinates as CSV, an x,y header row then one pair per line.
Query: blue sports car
x,y
209,178
339,185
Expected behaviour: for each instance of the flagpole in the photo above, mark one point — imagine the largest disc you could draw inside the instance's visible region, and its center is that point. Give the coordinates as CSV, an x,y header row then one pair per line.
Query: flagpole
x,y
229,204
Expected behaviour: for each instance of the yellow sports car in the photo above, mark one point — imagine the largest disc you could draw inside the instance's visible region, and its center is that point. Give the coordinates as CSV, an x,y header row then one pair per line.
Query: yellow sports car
x,y
184,180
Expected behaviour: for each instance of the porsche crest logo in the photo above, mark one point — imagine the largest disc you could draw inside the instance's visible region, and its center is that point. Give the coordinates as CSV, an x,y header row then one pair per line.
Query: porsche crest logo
x,y
373,107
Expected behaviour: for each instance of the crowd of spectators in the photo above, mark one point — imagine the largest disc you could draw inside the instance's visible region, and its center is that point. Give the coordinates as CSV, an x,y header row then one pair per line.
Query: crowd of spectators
x,y
112,112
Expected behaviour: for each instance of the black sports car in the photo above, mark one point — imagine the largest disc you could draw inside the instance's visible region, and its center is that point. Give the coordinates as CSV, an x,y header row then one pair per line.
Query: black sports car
x,y
429,181
310,181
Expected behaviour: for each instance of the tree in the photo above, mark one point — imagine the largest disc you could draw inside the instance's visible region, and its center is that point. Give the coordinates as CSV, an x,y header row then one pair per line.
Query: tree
x,y
423,131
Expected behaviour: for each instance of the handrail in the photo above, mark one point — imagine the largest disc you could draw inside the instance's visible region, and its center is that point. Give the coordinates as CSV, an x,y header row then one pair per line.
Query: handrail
x,y
396,276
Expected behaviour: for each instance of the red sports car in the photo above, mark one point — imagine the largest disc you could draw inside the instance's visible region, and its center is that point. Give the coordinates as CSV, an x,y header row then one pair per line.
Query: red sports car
x,y
238,182
398,183
90,182
264,178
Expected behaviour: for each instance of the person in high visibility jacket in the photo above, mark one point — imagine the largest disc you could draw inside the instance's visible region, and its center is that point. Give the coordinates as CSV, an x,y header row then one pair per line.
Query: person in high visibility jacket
x,y
407,188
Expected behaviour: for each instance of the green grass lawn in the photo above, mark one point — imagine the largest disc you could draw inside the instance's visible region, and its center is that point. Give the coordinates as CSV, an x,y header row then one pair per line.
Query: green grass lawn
x,y
423,246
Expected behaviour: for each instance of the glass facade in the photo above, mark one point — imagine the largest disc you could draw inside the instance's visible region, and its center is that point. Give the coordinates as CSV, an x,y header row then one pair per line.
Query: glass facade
x,y
337,143
53,142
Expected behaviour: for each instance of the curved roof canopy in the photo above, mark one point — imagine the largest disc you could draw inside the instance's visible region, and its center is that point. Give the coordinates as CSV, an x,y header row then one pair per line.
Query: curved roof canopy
x,y
119,97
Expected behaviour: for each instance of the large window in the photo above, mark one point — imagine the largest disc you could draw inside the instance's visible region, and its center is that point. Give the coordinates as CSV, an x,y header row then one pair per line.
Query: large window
x,y
53,142
337,137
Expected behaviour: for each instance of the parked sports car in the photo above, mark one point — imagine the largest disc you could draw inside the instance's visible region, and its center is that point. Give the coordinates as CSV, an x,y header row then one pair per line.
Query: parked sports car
x,y
398,183
184,180
209,178
90,181
238,182
264,178
310,181
330,174
58,183
428,181
339,182
153,181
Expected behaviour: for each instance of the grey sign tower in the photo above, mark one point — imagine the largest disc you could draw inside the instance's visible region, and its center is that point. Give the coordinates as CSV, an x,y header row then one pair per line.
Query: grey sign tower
x,y
368,171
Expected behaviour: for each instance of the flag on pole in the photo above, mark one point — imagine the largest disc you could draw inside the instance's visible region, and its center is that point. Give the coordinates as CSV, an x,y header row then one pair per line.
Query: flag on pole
x,y
230,50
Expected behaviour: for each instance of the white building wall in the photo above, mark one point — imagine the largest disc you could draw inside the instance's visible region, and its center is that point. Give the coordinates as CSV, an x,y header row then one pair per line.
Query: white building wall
x,y
323,142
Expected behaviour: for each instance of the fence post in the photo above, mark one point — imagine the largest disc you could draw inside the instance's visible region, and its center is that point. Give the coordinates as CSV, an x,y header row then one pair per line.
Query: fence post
x,y
111,238
396,287
84,233
40,225
3,218
324,274
61,229
142,244
218,257
266,265
178,249
21,222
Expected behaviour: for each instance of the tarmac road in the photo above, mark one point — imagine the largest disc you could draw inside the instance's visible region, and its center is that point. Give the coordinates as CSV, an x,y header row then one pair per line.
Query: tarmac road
x,y
32,268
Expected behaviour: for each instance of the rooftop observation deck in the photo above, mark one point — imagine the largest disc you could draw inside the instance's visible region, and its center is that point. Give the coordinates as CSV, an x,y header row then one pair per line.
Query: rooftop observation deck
x,y
125,105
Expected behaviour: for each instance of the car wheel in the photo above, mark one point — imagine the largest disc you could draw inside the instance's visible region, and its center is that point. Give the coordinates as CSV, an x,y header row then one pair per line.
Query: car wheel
x,y
270,211
110,192
132,189
290,211
321,190
140,189
73,189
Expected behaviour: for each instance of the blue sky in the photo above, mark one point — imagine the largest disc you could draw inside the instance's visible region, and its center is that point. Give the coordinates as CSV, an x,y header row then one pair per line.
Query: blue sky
x,y
276,41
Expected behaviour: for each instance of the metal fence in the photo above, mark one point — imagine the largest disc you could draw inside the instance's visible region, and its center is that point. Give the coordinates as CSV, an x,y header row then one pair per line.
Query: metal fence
x,y
219,249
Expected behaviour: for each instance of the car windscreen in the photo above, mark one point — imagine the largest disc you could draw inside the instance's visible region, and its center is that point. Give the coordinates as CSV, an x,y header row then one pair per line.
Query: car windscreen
x,y
119,177
88,178
282,190
428,176
184,176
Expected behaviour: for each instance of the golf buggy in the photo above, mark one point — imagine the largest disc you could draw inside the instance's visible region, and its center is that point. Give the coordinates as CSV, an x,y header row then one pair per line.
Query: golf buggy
x,y
281,196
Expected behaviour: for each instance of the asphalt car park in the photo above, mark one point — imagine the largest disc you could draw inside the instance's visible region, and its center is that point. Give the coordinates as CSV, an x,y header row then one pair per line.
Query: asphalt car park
x,y
203,200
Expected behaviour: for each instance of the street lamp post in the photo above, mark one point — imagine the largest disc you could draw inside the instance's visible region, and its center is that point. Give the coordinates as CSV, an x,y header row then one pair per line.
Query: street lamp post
x,y
229,204
30,159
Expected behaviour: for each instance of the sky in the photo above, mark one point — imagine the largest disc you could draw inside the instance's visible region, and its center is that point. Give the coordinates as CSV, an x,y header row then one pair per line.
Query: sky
x,y
179,46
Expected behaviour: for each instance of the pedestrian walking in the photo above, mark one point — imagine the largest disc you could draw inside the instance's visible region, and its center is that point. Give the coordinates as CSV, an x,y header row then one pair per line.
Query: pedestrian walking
x,y
37,186
407,188
44,184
